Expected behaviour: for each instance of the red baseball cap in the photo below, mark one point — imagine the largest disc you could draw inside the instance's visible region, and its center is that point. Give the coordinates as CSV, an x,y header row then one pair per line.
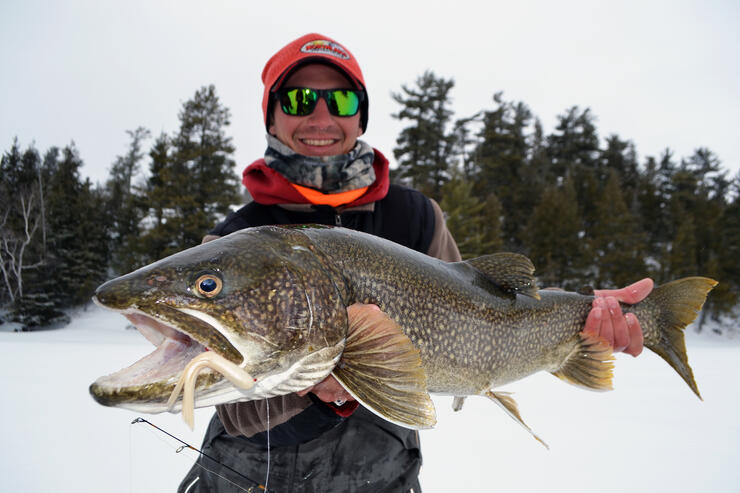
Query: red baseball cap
x,y
306,49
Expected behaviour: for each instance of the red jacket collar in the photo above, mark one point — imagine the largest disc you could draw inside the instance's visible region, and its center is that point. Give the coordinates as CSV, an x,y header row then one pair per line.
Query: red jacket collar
x,y
269,187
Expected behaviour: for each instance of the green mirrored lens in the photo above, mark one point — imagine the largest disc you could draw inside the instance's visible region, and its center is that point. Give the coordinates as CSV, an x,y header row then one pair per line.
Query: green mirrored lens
x,y
299,102
302,101
343,103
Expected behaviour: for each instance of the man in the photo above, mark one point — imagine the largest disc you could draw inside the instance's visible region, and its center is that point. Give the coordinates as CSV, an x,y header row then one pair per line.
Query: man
x,y
316,170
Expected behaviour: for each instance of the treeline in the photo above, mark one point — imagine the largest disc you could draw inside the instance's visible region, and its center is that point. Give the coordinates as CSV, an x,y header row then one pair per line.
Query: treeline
x,y
586,213
61,236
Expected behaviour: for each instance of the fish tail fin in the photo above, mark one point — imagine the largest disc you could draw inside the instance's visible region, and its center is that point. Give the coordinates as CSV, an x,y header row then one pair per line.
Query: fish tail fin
x,y
667,312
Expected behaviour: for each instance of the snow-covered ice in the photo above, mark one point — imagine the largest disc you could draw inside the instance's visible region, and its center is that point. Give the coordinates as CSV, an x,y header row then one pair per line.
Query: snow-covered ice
x,y
650,434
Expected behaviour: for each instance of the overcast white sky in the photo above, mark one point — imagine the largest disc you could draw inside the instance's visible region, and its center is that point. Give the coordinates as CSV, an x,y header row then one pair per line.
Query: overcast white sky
x,y
661,73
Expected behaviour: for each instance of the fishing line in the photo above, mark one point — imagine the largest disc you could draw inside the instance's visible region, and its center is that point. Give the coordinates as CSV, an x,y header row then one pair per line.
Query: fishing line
x,y
253,484
267,475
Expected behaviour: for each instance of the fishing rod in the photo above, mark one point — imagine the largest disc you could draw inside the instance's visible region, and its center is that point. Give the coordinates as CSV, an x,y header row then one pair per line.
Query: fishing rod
x,y
254,486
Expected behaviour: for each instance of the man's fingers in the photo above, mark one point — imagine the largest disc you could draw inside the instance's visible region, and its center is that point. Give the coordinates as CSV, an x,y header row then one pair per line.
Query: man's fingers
x,y
593,321
631,294
607,327
329,390
636,338
619,324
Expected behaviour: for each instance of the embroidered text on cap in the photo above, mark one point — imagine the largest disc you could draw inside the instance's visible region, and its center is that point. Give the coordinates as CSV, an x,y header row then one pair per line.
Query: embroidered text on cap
x,y
324,47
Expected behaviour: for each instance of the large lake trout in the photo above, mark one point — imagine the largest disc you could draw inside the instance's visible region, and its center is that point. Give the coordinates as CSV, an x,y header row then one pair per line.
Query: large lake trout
x,y
264,312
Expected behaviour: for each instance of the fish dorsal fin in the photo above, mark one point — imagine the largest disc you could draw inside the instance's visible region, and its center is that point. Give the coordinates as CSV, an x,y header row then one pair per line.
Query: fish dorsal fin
x,y
382,369
512,272
508,404
589,365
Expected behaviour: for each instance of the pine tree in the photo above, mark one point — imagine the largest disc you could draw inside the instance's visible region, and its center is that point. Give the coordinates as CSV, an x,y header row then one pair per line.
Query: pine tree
x,y
651,216
553,236
123,204
78,250
35,303
473,223
424,149
501,158
617,244
728,259
201,168
620,157
159,235
574,152
21,220
191,184
463,145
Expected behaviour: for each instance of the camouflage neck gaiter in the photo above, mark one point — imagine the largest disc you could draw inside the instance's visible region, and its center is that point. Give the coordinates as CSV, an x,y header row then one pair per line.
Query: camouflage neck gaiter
x,y
328,174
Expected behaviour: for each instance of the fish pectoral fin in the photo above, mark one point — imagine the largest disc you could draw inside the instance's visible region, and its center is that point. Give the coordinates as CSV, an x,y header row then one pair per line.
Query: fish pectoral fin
x,y
589,364
457,402
512,272
382,369
508,404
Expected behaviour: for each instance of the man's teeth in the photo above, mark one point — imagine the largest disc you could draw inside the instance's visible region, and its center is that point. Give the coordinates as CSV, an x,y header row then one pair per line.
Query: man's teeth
x,y
318,142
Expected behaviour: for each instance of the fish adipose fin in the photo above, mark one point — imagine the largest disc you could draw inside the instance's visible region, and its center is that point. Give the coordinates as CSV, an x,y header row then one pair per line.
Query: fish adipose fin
x,y
381,368
512,272
508,404
589,365
672,307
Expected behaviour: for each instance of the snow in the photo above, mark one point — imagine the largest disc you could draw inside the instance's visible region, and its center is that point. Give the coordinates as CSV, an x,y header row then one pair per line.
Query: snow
x,y
650,434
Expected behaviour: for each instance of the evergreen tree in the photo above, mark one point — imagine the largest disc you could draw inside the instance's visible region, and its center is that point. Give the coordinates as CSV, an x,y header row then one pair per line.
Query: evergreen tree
x,y
201,168
463,145
21,219
620,157
425,148
78,251
575,142
574,152
553,236
124,204
159,235
698,190
540,166
682,256
501,158
473,223
617,244
191,183
651,215
727,293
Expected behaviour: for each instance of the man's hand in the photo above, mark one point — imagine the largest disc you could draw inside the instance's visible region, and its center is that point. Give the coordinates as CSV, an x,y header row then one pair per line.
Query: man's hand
x,y
328,390
606,319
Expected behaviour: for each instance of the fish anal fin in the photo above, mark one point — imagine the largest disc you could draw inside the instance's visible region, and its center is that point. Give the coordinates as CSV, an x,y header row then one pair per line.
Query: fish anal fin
x,y
512,272
382,369
589,364
508,404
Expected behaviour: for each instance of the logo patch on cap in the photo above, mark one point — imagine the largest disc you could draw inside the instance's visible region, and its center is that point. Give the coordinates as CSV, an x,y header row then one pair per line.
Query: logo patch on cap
x,y
324,47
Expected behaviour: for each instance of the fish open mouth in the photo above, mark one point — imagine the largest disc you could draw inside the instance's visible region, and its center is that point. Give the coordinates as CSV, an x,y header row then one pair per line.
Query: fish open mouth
x,y
147,384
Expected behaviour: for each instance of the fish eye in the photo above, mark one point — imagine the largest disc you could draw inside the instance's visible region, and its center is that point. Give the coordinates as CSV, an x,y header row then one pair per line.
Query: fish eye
x,y
209,285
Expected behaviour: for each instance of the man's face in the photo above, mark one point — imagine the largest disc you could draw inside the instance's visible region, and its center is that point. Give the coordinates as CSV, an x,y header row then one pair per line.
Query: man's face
x,y
320,133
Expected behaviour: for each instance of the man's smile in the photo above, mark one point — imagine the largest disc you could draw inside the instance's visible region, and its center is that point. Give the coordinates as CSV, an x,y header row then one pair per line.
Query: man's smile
x,y
318,142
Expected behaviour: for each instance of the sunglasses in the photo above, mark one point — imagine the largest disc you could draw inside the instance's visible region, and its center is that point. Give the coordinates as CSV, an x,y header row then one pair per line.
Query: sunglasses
x,y
301,101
